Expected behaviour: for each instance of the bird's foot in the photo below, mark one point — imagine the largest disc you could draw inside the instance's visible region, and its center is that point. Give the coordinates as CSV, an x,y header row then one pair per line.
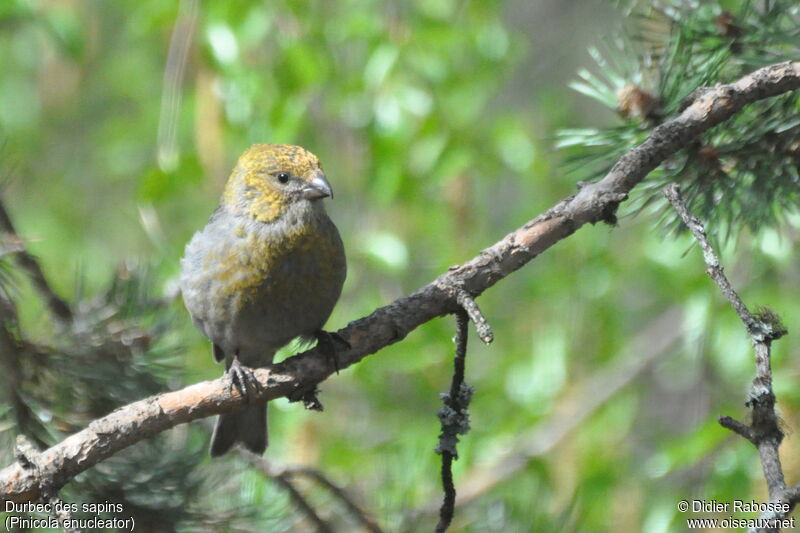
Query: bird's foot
x,y
327,342
242,378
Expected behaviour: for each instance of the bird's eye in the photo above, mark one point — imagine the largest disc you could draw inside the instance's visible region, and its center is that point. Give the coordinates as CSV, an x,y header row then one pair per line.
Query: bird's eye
x,y
283,177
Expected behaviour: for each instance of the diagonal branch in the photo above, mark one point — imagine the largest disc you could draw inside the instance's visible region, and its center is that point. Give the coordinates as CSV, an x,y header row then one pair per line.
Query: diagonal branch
x,y
764,327
595,202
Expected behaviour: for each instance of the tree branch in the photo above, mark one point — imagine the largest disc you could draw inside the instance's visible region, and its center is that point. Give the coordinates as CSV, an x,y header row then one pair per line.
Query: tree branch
x,y
764,431
387,325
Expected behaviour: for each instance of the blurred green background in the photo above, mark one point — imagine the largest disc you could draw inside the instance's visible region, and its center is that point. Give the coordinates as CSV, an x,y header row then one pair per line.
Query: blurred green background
x,y
595,407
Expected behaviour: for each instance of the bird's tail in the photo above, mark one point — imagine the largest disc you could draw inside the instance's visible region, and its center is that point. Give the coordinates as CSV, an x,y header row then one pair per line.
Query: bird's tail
x,y
248,427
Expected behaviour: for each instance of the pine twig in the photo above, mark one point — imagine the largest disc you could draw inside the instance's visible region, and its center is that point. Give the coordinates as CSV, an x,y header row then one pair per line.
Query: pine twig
x,y
283,481
269,469
355,510
28,262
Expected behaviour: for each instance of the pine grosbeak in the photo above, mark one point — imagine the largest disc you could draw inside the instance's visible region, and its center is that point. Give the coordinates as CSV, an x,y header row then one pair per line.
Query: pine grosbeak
x,y
267,268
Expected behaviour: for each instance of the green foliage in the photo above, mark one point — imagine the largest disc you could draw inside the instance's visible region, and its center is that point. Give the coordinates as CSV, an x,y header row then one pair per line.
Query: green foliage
x,y
741,174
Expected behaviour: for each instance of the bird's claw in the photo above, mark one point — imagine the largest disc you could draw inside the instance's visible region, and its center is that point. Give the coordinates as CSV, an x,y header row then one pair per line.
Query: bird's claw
x,y
242,378
327,344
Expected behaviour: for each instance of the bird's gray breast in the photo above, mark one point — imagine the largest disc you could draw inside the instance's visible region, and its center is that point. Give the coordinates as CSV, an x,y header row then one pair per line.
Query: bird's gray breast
x,y
253,287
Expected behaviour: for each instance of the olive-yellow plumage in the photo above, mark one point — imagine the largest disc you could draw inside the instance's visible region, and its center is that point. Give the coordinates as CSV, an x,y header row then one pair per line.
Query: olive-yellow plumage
x,y
267,268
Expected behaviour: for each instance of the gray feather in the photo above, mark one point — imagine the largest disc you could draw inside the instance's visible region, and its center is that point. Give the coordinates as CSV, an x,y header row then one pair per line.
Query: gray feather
x,y
247,427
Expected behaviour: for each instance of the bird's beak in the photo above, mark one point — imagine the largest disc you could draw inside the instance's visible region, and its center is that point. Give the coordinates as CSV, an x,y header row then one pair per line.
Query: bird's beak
x,y
318,187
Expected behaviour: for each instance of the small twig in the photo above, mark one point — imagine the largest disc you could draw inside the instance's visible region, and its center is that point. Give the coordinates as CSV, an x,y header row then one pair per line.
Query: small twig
x,y
737,427
673,194
282,479
468,304
57,306
764,327
455,421
355,510
271,470
460,358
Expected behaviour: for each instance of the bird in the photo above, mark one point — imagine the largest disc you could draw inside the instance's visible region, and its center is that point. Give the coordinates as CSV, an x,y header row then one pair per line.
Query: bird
x,y
267,268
